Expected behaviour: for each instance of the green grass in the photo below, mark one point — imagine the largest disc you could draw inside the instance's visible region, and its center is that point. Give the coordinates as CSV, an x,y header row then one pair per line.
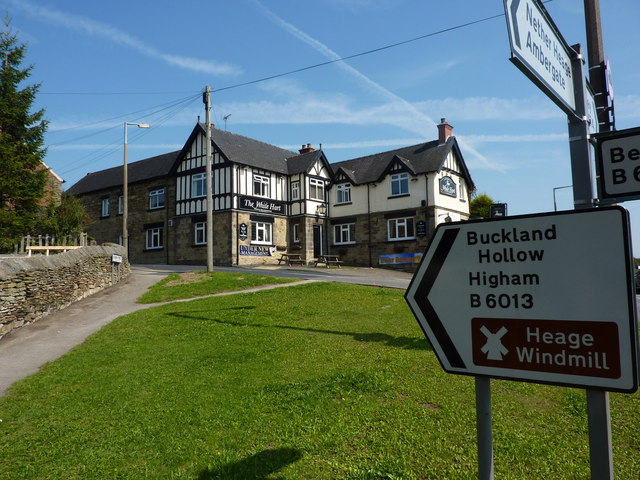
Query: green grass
x,y
196,284
316,381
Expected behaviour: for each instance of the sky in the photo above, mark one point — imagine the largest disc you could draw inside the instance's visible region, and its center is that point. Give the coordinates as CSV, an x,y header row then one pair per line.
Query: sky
x,y
275,72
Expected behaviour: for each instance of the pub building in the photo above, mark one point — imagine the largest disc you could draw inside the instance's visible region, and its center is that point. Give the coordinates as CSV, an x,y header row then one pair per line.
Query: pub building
x,y
377,210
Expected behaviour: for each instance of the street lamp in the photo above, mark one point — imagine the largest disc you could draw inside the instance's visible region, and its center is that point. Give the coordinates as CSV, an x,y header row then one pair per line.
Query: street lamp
x,y
555,206
125,184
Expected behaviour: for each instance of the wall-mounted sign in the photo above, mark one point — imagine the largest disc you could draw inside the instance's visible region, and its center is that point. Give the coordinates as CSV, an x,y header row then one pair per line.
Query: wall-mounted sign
x,y
421,228
243,231
265,205
498,210
448,187
257,250
399,258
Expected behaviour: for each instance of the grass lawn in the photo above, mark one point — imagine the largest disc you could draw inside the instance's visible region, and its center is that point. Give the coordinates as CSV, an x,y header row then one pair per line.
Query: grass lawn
x,y
195,284
315,381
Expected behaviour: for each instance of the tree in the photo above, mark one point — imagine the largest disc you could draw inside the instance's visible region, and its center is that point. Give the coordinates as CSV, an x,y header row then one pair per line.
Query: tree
x,y
69,217
21,143
480,206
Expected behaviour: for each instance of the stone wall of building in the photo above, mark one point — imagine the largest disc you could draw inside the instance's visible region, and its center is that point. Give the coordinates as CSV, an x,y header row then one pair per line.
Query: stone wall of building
x,y
32,287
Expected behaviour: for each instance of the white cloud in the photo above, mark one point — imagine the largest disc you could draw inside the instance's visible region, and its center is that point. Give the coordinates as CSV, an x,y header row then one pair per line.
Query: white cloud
x,y
492,108
93,28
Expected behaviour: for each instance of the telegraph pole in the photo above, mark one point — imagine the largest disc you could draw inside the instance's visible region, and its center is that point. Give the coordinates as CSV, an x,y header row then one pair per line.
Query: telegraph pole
x,y
207,103
595,55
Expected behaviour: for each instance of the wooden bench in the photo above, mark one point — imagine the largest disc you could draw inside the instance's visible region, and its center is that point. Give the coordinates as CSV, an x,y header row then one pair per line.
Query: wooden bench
x,y
50,248
291,258
329,260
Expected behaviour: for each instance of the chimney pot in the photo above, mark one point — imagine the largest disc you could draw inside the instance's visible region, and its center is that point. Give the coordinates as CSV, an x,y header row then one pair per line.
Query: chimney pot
x,y
306,148
444,131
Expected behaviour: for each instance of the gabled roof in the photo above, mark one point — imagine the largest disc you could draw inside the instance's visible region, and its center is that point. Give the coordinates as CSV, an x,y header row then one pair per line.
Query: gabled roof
x,y
303,162
147,169
416,159
244,150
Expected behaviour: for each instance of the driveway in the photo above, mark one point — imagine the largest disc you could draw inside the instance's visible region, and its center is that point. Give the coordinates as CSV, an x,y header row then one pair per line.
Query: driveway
x,y
25,350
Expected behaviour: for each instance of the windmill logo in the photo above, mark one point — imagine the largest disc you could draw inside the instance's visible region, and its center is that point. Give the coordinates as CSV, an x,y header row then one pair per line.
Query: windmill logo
x,y
494,349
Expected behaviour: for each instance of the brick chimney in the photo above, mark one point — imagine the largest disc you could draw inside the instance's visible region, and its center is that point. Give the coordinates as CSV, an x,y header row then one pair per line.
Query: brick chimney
x,y
444,131
306,149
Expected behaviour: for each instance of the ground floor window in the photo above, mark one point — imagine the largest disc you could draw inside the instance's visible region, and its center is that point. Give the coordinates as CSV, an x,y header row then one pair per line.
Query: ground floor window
x,y
154,238
200,233
400,229
344,233
296,233
261,233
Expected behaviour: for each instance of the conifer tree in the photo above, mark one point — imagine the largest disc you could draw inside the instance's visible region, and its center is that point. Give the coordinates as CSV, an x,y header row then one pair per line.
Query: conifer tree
x,y
22,178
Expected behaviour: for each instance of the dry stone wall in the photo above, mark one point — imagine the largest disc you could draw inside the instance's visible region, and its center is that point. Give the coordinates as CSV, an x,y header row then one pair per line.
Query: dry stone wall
x,y
32,287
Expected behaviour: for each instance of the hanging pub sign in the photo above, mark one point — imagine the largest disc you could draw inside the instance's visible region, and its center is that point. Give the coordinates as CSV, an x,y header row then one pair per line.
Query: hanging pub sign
x,y
448,187
243,231
264,205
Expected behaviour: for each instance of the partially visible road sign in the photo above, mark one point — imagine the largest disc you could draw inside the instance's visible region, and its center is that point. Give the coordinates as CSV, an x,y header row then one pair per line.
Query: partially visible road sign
x,y
543,298
539,51
618,165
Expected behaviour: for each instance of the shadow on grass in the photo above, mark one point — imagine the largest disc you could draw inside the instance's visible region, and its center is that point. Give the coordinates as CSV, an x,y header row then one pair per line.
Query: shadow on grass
x,y
407,343
255,467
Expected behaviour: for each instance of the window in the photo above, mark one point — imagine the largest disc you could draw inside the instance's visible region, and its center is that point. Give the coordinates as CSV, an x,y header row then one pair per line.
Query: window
x,y
154,238
198,185
316,189
261,233
296,233
462,194
260,186
156,199
344,233
400,228
295,191
343,193
200,233
120,205
399,184
105,207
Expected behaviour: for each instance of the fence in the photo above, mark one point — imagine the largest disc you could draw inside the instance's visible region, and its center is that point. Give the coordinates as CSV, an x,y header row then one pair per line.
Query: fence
x,y
50,241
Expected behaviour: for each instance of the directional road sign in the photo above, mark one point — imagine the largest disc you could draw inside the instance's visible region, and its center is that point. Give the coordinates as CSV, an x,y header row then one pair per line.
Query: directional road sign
x,y
539,50
618,165
543,298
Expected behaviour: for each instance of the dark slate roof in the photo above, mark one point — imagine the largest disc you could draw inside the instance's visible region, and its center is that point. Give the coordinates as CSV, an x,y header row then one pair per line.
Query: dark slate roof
x,y
247,151
146,169
417,159
302,163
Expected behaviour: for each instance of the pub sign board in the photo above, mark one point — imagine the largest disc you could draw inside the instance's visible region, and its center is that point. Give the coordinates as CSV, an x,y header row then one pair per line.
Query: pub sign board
x,y
543,298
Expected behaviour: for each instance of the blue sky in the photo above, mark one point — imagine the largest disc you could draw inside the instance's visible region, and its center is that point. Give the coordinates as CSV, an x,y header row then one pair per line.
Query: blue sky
x,y
105,63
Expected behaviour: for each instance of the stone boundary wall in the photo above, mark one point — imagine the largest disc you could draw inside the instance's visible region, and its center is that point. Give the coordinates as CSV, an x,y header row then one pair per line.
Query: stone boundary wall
x,y
32,287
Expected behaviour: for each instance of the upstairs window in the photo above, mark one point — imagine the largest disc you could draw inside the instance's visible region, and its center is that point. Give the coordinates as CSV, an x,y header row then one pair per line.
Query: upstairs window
x,y
399,184
156,199
343,193
295,191
261,186
120,205
104,212
198,185
316,189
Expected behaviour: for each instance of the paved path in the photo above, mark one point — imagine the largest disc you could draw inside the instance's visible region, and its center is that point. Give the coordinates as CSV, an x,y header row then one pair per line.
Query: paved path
x,y
26,349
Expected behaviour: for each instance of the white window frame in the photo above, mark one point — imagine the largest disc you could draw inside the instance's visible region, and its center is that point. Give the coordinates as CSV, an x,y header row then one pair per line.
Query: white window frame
x,y
261,185
261,233
295,190
200,233
120,204
400,181
344,234
402,228
153,238
156,199
296,233
316,189
343,193
104,211
198,185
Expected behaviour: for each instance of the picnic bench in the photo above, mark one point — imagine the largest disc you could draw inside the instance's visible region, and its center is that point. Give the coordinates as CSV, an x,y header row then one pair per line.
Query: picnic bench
x,y
50,248
329,260
291,258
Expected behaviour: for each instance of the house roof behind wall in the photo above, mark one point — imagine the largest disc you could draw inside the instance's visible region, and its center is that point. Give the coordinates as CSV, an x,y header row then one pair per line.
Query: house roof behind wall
x,y
158,166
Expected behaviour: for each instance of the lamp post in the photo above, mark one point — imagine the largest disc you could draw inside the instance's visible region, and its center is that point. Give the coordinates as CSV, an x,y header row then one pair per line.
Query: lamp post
x,y
555,206
125,184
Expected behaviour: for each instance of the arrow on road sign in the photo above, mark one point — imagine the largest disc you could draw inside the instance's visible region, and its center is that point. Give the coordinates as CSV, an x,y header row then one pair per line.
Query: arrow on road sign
x,y
542,298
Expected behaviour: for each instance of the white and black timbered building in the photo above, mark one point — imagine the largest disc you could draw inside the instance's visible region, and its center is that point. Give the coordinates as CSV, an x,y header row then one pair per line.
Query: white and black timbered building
x,y
371,211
